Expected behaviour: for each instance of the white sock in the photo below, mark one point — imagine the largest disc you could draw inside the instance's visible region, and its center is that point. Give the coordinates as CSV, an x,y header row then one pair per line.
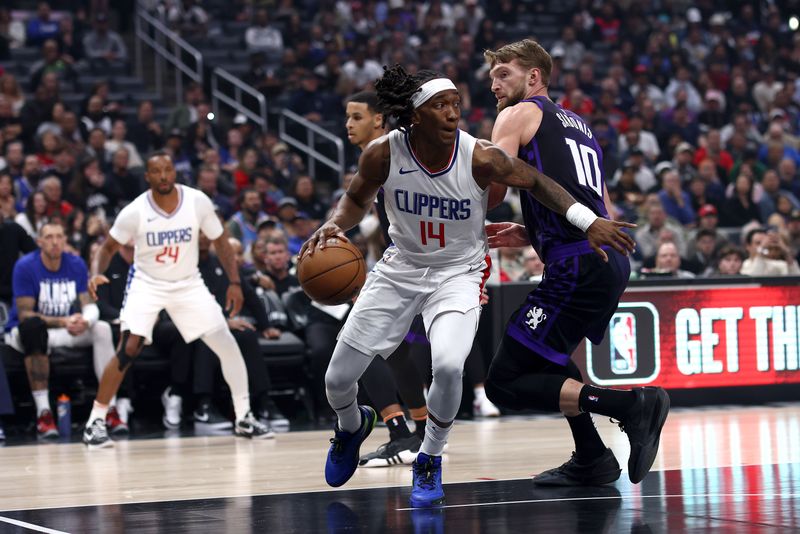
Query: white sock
x,y
42,399
480,394
99,411
435,438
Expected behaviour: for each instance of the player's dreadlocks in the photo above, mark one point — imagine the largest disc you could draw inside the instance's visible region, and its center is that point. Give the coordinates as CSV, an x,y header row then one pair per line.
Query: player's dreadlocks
x,y
395,89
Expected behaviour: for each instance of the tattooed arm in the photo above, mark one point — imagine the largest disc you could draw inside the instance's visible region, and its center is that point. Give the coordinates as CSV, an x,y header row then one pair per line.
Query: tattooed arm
x,y
491,164
25,310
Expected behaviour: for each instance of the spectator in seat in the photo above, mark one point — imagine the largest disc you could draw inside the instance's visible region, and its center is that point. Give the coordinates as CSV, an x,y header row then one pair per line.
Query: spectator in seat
x,y
702,252
104,47
12,92
740,207
96,118
144,131
534,267
771,184
207,182
188,18
130,182
668,263
677,202
262,37
647,236
53,61
41,27
244,223
277,265
34,215
8,202
46,285
361,71
185,114
119,139
304,191
767,255
729,261
56,205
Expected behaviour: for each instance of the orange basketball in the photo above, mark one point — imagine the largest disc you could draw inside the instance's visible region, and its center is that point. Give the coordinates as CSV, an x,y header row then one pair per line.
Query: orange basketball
x,y
333,275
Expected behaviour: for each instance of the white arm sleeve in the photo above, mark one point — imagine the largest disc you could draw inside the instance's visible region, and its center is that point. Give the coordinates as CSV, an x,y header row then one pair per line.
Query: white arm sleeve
x,y
209,222
125,225
91,313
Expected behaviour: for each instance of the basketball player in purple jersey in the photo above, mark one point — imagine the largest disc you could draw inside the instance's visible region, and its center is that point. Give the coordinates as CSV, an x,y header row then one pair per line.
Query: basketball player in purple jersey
x,y
579,293
436,184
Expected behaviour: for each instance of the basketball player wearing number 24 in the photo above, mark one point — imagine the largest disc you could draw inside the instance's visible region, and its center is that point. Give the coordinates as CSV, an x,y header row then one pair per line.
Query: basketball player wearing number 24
x,y
165,224
579,294
437,265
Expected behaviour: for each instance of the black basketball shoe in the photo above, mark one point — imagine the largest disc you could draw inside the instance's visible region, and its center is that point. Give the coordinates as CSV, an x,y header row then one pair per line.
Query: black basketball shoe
x,y
643,424
603,470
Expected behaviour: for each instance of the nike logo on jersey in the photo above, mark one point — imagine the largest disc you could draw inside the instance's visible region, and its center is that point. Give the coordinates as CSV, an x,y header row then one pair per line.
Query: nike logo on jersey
x,y
151,219
403,171
115,276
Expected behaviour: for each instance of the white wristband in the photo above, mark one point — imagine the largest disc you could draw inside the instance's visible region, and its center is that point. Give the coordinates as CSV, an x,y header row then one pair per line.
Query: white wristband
x,y
91,313
581,216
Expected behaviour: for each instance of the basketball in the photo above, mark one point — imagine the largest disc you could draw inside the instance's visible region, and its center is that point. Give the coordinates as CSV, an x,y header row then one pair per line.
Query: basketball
x,y
334,274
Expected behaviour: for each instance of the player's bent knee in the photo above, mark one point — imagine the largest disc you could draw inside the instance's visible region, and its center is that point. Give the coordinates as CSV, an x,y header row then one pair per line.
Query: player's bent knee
x,y
448,373
130,347
336,383
33,335
501,396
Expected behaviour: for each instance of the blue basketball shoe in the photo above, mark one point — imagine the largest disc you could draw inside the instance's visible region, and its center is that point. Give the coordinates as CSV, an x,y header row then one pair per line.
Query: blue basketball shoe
x,y
345,448
426,489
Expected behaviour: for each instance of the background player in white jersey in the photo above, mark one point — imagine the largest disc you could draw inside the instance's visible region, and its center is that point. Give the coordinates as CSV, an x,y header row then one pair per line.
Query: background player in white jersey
x,y
165,223
435,180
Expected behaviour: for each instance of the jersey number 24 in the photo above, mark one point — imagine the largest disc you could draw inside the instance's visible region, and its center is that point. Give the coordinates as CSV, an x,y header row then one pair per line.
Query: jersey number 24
x,y
169,253
587,166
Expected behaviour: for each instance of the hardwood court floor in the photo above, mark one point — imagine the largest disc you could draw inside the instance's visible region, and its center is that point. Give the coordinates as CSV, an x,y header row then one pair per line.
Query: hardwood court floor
x,y
735,468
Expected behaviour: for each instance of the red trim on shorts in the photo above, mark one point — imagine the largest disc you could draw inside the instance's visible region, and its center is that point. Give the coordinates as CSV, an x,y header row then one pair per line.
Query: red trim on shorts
x,y
486,272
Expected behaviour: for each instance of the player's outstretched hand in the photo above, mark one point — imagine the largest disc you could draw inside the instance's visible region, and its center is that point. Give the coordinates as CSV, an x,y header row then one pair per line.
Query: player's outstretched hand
x,y
603,232
94,282
318,239
507,234
233,300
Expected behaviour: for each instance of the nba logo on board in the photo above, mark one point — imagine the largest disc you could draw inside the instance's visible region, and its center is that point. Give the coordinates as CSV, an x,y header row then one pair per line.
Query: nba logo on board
x,y
622,337
629,354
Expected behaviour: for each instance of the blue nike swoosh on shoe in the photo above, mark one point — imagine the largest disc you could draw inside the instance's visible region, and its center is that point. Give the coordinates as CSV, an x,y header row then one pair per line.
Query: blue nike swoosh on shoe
x,y
402,171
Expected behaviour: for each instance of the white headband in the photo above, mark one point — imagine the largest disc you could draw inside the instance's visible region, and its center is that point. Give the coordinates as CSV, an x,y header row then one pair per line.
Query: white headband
x,y
428,89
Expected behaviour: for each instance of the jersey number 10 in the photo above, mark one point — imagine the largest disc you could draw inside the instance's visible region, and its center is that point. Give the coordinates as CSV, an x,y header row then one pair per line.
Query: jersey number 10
x,y
587,166
426,232
167,254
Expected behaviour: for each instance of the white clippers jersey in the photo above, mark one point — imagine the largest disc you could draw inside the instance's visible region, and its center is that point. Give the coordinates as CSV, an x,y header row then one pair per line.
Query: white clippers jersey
x,y
167,246
436,218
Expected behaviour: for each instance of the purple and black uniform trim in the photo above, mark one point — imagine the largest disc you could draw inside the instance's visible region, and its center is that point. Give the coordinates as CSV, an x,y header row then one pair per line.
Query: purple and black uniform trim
x,y
579,292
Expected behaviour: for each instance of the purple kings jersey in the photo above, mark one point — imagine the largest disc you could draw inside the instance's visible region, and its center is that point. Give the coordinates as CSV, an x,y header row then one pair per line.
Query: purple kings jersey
x,y
564,149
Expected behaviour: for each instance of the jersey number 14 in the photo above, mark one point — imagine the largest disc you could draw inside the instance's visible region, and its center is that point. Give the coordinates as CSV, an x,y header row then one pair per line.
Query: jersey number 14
x,y
427,232
587,166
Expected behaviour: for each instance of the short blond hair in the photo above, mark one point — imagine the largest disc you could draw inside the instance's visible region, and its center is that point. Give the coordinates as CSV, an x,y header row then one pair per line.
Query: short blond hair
x,y
527,52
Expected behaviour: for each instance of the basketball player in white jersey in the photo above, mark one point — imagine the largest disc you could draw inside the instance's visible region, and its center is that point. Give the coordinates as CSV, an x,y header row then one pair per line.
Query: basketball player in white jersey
x,y
435,180
165,223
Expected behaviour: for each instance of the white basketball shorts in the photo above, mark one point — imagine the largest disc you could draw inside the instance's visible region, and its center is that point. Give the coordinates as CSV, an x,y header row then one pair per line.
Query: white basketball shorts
x,y
189,303
396,291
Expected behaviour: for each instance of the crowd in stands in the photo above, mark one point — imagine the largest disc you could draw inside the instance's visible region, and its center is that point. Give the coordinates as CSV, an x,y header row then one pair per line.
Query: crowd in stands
x,y
696,106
